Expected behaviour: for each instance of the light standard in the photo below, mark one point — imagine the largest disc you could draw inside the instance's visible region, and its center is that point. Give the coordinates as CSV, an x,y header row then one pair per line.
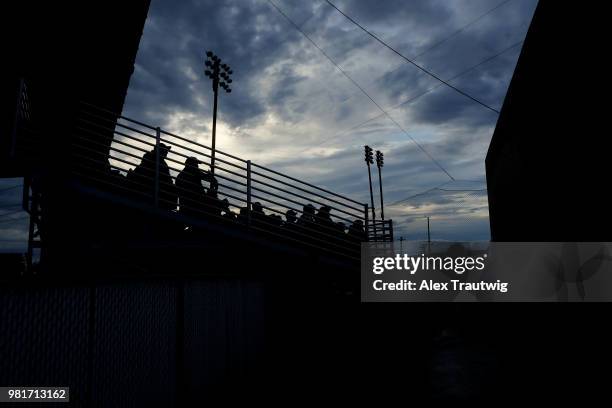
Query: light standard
x,y
369,159
220,75
379,164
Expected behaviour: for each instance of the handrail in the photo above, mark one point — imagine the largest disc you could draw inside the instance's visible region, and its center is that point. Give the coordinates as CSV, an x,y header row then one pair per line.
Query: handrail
x,y
304,232
224,193
236,174
308,184
129,140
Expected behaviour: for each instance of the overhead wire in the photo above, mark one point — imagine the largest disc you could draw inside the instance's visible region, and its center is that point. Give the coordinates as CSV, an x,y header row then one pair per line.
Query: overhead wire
x,y
361,89
418,66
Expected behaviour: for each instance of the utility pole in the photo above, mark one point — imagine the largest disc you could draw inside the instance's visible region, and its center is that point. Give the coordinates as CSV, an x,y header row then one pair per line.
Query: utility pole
x,y
369,159
428,235
379,164
220,75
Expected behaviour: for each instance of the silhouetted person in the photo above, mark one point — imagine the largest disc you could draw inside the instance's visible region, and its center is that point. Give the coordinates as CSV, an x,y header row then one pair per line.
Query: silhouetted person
x,y
356,232
290,225
142,178
275,222
243,217
324,220
290,217
258,217
194,198
213,205
191,192
307,219
227,213
306,226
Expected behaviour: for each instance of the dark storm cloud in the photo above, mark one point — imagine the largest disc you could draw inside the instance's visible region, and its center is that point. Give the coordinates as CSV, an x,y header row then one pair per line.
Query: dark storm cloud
x,y
169,74
417,14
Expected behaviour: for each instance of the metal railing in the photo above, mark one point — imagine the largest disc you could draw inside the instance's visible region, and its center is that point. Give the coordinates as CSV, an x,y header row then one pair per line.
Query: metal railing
x,y
258,198
380,231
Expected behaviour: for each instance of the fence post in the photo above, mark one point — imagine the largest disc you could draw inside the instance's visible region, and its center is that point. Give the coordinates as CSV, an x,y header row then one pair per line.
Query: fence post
x,y
157,142
391,229
367,223
248,163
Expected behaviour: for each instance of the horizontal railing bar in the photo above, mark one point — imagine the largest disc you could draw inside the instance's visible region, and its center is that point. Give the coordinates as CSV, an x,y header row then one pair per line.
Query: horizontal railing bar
x,y
308,184
201,145
232,164
311,236
305,198
118,115
173,185
111,148
153,145
318,226
203,154
172,168
290,200
333,234
147,195
306,191
242,160
116,124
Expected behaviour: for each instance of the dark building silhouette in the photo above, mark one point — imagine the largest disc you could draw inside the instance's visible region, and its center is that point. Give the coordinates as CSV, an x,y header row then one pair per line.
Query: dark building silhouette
x,y
547,163
548,168
67,53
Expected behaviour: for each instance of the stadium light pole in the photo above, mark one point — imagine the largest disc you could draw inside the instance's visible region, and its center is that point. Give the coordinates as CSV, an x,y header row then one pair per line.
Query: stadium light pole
x,y
369,159
379,164
220,75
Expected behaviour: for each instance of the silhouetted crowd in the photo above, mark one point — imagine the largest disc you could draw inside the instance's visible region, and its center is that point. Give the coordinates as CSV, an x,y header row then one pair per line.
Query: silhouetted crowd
x,y
195,194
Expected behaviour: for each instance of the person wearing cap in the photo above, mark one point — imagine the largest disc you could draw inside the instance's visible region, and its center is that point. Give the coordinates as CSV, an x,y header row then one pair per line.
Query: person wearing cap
x,y
191,192
290,217
142,178
227,213
307,219
290,225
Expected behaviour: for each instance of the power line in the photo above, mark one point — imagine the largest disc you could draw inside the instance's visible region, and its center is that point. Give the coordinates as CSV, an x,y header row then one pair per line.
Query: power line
x,y
445,39
417,194
438,188
360,88
414,98
411,61
461,29
461,189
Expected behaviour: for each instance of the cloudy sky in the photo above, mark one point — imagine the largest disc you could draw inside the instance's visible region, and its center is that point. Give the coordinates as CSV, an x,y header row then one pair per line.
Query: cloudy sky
x,y
291,109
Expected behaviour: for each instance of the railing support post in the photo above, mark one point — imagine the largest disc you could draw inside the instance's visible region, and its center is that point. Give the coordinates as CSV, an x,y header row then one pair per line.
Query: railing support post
x,y
248,163
157,159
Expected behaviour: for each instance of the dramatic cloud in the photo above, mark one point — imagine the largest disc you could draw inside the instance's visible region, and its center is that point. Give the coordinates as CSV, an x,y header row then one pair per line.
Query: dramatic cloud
x,y
294,110
291,109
